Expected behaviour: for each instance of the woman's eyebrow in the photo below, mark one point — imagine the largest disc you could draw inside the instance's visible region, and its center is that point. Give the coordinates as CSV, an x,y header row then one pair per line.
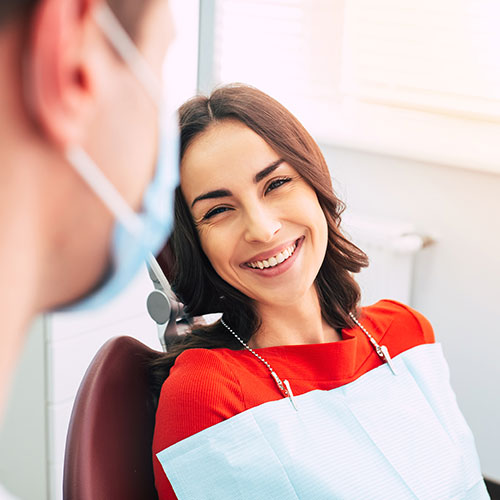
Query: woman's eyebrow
x,y
268,170
222,193
218,193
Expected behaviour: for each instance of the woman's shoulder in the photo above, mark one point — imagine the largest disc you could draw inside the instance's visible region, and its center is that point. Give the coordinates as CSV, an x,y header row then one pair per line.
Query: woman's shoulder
x,y
200,391
199,362
399,325
199,375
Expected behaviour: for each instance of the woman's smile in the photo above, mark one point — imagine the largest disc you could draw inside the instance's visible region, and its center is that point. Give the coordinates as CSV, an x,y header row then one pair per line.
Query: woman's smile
x,y
276,261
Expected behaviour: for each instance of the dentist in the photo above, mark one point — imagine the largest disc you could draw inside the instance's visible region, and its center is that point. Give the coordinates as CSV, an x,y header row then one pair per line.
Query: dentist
x,y
86,169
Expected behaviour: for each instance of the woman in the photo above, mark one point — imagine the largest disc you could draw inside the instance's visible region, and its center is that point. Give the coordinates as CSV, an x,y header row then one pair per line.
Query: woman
x,y
295,392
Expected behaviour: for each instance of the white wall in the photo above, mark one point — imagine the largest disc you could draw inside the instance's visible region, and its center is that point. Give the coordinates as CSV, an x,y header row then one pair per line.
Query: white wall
x,y
23,440
456,280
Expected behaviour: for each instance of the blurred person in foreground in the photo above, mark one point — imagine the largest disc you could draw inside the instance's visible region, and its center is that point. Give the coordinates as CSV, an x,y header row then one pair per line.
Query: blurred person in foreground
x,y
84,155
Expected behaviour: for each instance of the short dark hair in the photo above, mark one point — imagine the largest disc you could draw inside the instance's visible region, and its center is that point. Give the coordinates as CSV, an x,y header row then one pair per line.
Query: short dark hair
x,y
128,12
10,8
193,278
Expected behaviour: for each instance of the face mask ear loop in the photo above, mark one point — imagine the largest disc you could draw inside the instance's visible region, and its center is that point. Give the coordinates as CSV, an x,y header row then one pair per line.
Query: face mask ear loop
x,y
123,44
91,174
81,161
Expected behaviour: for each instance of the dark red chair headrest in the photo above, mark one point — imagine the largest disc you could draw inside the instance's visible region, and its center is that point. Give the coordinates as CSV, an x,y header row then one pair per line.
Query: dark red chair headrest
x,y
108,449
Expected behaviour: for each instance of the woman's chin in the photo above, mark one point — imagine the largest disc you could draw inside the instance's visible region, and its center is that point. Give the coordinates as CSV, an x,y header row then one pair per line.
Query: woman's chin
x,y
287,298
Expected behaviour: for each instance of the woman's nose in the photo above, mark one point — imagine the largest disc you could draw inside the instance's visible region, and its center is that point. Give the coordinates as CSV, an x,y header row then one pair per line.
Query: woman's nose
x,y
261,225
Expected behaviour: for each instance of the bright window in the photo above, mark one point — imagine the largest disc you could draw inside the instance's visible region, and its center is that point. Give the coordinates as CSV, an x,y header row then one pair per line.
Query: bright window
x,y
414,79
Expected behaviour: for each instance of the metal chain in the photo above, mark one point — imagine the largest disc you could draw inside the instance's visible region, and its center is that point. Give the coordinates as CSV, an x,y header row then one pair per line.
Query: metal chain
x,y
381,350
372,340
246,346
278,381
284,386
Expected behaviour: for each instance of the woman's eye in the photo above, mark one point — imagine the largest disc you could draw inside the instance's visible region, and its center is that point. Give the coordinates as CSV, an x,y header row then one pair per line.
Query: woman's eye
x,y
277,183
214,211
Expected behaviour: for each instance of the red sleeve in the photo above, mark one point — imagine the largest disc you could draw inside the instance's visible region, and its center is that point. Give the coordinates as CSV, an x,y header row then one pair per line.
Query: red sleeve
x,y
409,328
426,330
200,391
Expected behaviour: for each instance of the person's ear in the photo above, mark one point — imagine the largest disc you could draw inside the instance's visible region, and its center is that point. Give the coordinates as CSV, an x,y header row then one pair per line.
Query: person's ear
x,y
59,78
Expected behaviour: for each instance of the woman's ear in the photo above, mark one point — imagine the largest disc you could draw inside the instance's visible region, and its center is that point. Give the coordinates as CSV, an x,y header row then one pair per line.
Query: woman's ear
x,y
59,78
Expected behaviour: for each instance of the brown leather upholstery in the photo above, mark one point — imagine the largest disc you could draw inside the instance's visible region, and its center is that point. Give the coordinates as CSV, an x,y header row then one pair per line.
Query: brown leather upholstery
x,y
108,449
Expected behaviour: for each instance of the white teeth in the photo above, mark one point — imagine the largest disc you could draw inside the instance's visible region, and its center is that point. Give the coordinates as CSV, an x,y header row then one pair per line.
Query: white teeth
x,y
274,261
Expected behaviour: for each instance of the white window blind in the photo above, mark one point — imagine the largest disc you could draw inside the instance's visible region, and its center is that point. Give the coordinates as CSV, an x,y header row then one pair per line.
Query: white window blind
x,y
283,47
414,79
435,56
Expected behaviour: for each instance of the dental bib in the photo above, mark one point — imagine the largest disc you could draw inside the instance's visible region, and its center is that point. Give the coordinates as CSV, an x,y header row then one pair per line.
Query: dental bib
x,y
380,437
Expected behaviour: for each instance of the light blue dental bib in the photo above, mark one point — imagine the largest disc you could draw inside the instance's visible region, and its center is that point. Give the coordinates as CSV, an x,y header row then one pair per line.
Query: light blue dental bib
x,y
381,437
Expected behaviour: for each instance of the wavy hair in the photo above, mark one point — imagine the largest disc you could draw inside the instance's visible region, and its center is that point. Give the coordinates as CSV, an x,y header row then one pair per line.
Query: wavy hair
x,y
193,278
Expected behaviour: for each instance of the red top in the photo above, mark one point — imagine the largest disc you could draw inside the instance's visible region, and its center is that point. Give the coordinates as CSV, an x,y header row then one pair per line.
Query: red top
x,y
207,386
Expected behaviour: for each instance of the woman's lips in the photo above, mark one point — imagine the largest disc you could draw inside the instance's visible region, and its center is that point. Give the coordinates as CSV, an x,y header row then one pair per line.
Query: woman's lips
x,y
278,268
270,253
274,259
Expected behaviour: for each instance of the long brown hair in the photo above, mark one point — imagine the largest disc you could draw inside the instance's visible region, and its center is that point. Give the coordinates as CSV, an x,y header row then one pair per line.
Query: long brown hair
x,y
193,278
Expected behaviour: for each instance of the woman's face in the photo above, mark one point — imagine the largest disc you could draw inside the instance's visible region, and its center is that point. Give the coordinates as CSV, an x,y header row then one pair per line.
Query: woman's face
x,y
260,224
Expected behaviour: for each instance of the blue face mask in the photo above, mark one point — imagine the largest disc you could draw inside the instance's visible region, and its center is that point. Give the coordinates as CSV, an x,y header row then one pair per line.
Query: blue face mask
x,y
136,236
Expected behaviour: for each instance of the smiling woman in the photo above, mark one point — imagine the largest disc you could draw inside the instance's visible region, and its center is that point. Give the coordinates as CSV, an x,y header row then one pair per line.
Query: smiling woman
x,y
250,154
266,209
257,237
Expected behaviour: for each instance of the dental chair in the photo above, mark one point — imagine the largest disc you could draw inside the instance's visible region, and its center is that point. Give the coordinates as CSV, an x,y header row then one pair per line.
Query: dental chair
x,y
109,443
108,448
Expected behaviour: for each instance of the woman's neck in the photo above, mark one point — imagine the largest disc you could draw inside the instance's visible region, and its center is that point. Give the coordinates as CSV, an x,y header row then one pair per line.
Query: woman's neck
x,y
292,324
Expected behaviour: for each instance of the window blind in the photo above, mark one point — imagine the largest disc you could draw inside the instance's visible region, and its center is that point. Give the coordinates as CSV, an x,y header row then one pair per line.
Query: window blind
x,y
283,47
382,75
441,57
